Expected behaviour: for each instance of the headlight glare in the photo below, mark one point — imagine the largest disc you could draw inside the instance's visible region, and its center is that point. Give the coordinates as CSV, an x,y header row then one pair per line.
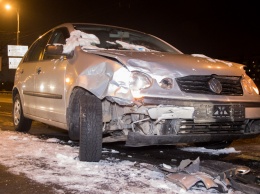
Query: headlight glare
x,y
256,90
249,85
246,86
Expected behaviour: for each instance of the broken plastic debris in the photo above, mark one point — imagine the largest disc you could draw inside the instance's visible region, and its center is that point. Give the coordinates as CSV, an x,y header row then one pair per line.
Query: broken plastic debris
x,y
184,180
222,184
189,166
194,166
166,166
242,170
206,179
184,164
220,176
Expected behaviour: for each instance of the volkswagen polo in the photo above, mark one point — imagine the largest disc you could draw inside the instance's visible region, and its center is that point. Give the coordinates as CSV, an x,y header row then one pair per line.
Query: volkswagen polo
x,y
106,83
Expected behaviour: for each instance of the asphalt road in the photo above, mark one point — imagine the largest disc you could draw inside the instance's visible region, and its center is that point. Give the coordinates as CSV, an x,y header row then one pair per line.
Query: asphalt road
x,y
9,183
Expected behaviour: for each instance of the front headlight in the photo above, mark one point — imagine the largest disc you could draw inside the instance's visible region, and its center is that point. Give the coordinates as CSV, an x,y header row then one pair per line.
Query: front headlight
x,y
249,85
138,82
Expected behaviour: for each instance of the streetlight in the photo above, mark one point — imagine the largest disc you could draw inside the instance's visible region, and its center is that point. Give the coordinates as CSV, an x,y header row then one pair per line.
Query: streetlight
x,y
8,7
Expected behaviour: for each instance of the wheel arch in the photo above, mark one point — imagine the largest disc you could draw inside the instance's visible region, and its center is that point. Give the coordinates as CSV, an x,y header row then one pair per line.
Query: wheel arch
x,y
70,99
14,92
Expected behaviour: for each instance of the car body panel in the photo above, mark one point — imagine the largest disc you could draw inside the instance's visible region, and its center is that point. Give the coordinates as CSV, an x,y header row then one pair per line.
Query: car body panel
x,y
50,83
24,77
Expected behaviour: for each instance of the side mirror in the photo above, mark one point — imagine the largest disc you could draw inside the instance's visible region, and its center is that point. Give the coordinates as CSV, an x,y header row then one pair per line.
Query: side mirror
x,y
54,50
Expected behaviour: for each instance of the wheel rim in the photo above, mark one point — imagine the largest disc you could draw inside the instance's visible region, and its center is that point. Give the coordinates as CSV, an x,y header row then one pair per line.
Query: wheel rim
x,y
17,112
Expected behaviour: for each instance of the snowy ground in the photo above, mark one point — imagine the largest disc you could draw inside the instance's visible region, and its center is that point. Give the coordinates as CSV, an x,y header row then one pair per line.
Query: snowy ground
x,y
51,161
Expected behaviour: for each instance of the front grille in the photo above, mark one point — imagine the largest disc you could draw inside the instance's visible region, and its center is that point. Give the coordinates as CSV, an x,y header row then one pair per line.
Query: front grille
x,y
200,84
188,126
184,127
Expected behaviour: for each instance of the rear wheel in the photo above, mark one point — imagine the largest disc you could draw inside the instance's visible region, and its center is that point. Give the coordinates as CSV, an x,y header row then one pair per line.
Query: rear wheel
x,y
90,127
21,123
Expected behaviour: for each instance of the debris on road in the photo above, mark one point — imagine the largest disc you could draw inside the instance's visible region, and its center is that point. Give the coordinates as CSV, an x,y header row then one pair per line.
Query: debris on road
x,y
222,176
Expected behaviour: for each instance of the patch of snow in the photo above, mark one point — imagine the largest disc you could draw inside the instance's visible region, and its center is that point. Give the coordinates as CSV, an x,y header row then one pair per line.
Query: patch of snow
x,y
49,162
212,60
210,151
128,46
79,38
226,62
204,56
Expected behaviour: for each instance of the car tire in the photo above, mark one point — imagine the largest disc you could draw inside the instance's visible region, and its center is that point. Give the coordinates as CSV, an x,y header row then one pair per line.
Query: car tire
x,y
73,114
90,128
21,123
214,145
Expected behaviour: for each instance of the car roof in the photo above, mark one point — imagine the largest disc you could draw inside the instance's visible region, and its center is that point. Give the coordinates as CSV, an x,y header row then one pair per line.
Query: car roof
x,y
70,26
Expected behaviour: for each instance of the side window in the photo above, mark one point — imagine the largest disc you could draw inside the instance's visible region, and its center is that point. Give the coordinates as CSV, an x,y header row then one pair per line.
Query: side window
x,y
36,51
58,36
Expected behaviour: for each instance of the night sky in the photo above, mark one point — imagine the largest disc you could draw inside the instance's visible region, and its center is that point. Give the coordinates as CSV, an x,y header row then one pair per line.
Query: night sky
x,y
219,29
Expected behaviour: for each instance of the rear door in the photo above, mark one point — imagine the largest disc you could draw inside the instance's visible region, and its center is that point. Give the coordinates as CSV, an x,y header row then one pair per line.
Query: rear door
x,y
26,74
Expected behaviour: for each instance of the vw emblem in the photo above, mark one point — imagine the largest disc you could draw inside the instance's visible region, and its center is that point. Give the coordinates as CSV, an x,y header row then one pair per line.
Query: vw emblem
x,y
215,85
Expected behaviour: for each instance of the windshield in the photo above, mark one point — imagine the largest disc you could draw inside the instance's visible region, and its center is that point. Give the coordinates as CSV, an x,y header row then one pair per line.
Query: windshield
x,y
109,37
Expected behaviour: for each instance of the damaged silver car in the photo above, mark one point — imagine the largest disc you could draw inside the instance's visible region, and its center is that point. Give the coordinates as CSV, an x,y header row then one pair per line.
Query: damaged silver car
x,y
105,83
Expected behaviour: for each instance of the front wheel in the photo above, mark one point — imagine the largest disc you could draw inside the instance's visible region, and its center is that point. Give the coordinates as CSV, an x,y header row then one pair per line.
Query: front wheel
x,y
90,128
21,123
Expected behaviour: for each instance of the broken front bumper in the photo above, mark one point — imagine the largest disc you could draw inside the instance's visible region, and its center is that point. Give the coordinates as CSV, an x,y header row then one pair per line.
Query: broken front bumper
x,y
135,139
202,111
198,121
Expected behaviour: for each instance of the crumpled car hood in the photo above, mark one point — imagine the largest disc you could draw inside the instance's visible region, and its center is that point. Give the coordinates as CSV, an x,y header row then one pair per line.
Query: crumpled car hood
x,y
113,82
173,65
